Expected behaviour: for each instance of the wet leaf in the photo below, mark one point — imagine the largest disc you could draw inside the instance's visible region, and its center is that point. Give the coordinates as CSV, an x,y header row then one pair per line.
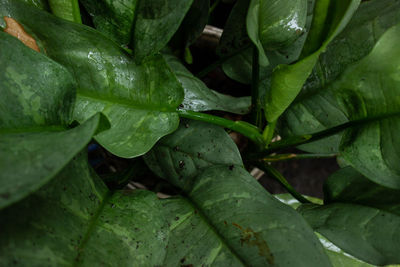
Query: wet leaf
x,y
35,109
203,161
139,100
198,97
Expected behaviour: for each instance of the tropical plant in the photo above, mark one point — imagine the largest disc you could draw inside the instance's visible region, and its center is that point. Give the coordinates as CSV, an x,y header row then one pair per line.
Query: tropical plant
x,y
323,76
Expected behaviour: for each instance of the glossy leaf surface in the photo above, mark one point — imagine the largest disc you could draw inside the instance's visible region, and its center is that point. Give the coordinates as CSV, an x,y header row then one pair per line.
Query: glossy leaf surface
x,y
139,100
35,108
287,80
274,24
198,97
258,228
75,220
315,109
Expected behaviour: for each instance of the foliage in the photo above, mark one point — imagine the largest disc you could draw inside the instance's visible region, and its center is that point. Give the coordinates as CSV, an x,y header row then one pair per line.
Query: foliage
x,y
323,76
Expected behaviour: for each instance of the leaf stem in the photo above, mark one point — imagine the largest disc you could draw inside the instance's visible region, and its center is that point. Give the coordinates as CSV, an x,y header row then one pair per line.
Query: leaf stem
x,y
292,156
274,173
308,138
246,129
214,65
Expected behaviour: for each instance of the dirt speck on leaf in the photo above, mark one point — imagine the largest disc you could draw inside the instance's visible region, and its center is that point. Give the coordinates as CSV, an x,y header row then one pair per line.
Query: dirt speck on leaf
x,y
254,239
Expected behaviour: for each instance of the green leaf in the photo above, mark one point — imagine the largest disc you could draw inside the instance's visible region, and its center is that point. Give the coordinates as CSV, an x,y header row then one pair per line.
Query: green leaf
x,y
75,220
192,25
35,108
235,37
42,4
66,9
113,18
275,24
203,161
366,233
156,22
193,241
287,80
349,186
336,255
315,109
198,97
139,100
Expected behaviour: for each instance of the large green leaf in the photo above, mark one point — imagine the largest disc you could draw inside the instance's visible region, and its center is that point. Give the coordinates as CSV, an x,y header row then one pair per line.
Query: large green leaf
x,y
42,4
139,100
337,256
193,241
315,110
198,97
370,89
367,233
156,22
75,220
274,24
287,80
234,38
360,217
66,9
348,185
204,162
37,96
113,18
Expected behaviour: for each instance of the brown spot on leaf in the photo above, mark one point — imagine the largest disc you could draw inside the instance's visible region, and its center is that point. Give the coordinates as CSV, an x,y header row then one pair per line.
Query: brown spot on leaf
x,y
15,29
254,239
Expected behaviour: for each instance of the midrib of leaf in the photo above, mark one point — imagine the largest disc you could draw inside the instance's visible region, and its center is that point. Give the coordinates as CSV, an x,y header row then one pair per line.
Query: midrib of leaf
x,y
211,226
122,102
92,226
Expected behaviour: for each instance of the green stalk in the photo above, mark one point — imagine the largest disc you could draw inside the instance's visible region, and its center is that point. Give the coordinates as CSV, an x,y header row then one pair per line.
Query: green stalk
x,y
282,180
246,129
308,138
217,63
268,133
285,157
66,9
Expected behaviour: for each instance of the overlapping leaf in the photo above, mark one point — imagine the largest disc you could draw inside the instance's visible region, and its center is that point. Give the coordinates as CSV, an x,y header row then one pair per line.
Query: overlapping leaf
x,y
204,162
37,96
75,220
366,90
316,110
198,97
338,257
139,100
274,24
360,217
287,80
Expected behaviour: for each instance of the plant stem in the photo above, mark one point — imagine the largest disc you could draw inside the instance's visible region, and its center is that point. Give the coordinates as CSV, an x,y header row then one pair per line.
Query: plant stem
x,y
214,65
305,139
284,157
255,96
246,129
279,177
268,133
